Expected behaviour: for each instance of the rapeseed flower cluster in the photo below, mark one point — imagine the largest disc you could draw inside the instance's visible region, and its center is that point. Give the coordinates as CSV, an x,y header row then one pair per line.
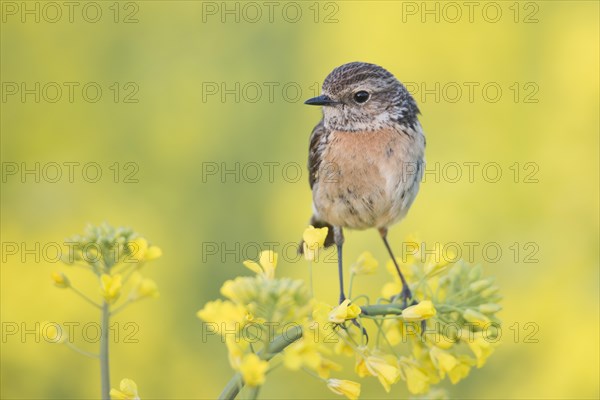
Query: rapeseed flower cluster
x,y
116,256
445,330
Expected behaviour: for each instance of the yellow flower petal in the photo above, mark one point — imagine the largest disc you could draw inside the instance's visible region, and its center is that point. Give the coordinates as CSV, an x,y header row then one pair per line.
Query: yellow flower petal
x,y
315,237
268,261
349,389
225,316
416,379
153,253
253,266
143,287
138,248
343,312
376,365
127,391
419,312
391,289
110,287
478,344
386,373
236,348
253,369
461,370
443,361
365,264
302,353
326,366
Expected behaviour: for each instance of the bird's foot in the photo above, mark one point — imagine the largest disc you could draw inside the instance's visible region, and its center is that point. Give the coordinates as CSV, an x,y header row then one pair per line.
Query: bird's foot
x,y
404,296
362,329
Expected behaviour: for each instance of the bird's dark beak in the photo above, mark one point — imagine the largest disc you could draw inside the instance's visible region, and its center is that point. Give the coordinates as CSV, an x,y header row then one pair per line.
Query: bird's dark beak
x,y
321,100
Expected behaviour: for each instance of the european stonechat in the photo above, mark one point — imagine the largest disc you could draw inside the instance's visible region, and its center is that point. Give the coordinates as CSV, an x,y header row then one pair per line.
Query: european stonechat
x,y
366,156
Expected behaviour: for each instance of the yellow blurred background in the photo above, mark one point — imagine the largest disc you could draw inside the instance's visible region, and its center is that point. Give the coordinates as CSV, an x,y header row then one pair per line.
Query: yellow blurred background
x,y
202,74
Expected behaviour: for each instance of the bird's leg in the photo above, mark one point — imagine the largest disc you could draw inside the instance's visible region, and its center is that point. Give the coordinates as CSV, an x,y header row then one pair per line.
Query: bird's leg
x,y
338,238
405,294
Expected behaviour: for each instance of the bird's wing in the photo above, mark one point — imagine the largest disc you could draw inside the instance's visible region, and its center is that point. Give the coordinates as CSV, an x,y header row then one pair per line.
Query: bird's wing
x,y
318,140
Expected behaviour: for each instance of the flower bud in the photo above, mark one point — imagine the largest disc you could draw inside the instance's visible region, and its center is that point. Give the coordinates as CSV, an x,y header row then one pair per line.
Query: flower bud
x,y
489,308
475,317
60,280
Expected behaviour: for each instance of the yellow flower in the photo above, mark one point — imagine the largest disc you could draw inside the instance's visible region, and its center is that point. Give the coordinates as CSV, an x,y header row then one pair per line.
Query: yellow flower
x,y
321,312
365,264
253,369
343,344
394,331
60,280
443,361
110,287
153,253
416,379
391,289
301,353
141,251
478,344
52,332
127,391
268,263
314,239
419,312
437,263
143,287
361,366
343,312
326,366
227,316
345,388
387,373
475,317
236,348
461,370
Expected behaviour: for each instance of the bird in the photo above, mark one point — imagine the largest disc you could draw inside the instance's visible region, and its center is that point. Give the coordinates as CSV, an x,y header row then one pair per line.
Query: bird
x,y
366,157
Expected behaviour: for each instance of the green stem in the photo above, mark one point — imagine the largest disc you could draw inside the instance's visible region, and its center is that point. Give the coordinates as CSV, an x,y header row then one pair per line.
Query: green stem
x,y
253,392
85,297
310,278
381,309
350,285
104,365
121,307
82,352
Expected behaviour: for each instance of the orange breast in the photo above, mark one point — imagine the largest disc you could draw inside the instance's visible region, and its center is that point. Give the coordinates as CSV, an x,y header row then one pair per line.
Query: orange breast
x,y
360,180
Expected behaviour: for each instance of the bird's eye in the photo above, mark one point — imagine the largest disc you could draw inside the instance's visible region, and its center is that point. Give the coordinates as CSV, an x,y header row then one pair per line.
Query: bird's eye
x,y
361,96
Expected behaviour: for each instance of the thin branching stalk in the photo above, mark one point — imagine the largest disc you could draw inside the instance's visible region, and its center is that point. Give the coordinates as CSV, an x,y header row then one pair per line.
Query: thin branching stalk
x,y
104,366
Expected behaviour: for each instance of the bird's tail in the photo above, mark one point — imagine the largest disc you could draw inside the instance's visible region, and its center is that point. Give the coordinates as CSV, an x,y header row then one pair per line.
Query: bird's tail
x,y
317,223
